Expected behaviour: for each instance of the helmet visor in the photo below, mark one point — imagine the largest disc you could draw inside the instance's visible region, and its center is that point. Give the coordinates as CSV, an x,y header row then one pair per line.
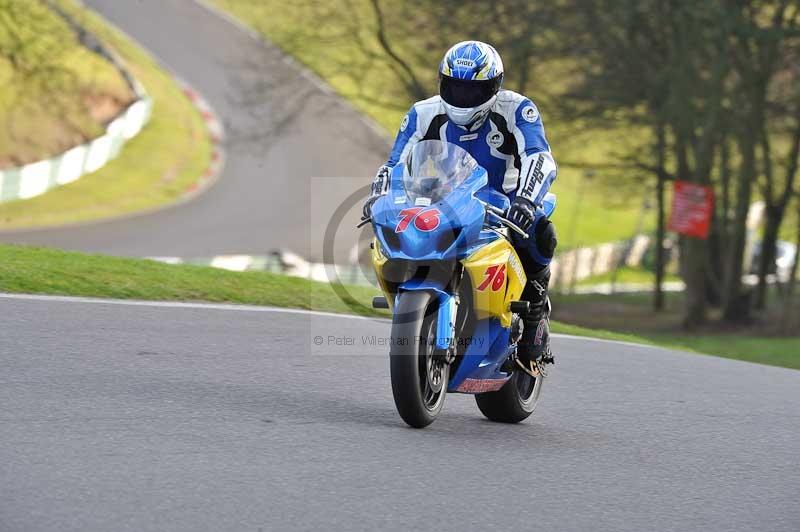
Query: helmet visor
x,y
467,92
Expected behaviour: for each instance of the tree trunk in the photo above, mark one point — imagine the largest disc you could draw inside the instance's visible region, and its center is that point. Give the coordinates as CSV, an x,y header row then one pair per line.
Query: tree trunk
x,y
734,308
693,264
788,304
725,185
658,292
766,261
776,209
693,251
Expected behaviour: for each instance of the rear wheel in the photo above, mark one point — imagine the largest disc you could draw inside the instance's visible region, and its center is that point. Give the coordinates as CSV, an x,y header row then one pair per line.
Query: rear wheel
x,y
513,402
419,373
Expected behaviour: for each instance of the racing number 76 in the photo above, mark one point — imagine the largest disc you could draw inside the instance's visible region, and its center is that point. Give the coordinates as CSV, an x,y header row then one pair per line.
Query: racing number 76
x,y
496,276
424,219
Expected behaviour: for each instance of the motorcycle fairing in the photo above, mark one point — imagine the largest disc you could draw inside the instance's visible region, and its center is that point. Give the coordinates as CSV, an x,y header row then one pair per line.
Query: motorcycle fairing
x,y
487,348
485,266
460,220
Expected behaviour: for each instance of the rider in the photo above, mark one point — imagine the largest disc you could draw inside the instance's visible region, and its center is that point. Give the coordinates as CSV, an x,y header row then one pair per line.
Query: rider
x,y
503,131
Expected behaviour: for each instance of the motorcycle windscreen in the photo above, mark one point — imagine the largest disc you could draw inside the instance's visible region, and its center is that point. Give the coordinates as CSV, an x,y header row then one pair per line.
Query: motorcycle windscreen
x,y
434,169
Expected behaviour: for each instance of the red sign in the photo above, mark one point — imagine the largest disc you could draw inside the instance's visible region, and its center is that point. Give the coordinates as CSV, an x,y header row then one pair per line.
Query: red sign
x,y
692,208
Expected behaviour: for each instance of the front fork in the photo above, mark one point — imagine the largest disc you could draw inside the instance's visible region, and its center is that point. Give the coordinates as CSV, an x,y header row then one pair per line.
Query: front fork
x,y
448,300
446,322
448,316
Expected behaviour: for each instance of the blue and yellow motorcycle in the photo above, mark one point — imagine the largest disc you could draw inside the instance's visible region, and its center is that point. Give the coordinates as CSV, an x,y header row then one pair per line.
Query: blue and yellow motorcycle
x,y
444,261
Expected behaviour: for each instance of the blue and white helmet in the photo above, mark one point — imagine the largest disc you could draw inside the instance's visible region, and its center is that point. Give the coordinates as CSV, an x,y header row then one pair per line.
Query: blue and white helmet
x,y
470,75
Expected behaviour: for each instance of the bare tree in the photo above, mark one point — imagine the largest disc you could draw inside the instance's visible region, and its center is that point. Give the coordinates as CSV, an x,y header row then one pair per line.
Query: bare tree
x,y
755,49
782,124
662,64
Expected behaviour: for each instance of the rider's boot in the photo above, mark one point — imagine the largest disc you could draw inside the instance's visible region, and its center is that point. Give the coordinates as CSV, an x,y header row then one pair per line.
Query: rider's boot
x,y
533,349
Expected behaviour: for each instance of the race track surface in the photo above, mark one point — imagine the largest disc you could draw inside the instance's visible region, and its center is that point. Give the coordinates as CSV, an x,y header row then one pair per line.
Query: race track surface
x,y
294,152
119,417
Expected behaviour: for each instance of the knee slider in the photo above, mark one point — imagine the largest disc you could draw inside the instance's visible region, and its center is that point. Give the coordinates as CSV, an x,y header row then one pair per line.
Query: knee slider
x,y
546,240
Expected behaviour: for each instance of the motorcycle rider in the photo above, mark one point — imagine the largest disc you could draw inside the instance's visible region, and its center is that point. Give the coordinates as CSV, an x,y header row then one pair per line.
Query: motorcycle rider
x,y
503,131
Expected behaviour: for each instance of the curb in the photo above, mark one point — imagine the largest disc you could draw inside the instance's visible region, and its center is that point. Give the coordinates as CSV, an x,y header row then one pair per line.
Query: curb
x,y
216,134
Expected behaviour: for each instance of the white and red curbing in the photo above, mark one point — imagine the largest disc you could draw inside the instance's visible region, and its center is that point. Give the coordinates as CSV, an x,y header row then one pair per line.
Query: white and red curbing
x,y
216,133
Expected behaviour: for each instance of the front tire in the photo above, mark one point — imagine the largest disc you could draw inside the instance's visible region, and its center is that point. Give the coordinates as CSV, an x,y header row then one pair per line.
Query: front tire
x,y
419,377
513,402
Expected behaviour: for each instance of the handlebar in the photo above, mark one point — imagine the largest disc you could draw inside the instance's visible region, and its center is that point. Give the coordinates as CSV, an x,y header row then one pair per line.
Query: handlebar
x,y
500,215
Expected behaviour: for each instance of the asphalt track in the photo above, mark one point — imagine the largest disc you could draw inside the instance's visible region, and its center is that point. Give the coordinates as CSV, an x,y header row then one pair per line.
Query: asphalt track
x,y
118,417
294,151
156,417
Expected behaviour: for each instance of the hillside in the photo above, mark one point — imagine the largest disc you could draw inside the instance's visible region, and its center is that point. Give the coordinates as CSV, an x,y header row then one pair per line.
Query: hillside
x,y
346,52
54,93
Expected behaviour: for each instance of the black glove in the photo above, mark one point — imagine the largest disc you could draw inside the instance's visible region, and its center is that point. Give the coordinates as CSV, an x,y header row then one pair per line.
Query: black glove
x,y
366,214
380,186
522,214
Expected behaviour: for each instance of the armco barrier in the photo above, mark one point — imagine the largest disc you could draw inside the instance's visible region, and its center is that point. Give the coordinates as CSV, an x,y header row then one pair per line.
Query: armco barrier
x,y
37,178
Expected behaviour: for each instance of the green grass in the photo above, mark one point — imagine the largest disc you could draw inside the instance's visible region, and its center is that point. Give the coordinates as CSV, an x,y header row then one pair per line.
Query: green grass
x,y
48,271
154,168
626,275
632,317
605,208
576,330
770,350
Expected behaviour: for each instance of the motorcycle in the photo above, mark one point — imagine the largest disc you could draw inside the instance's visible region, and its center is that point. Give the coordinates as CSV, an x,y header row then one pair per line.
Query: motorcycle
x,y
444,261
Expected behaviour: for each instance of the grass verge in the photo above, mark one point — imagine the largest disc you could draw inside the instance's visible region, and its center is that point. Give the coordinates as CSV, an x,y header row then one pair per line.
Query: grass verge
x,y
155,168
48,271
632,316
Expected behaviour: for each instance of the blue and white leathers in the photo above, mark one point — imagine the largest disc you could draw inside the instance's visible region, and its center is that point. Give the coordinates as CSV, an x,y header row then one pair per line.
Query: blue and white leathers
x,y
510,144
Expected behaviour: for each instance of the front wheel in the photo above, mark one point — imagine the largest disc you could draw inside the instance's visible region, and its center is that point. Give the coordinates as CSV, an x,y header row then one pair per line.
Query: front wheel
x,y
419,373
513,402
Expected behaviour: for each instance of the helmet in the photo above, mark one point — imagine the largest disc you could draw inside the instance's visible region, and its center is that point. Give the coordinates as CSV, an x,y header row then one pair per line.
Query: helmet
x,y
470,76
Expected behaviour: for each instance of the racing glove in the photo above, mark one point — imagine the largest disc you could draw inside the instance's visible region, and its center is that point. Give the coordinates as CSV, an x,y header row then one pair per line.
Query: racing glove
x,y
380,187
522,214
537,174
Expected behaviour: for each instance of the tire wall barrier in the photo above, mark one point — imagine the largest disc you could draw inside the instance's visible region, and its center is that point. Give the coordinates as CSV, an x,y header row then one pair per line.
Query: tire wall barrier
x,y
37,178
577,264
